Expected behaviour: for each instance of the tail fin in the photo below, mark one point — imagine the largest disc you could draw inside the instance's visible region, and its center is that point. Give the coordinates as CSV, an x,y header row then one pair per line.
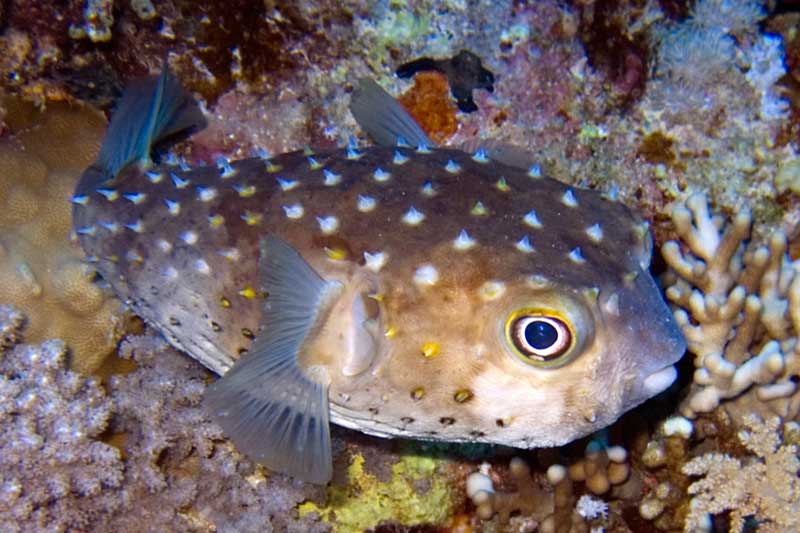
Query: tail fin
x,y
151,110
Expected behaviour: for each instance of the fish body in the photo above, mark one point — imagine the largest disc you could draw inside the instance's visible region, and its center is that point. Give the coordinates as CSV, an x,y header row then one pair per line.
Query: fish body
x,y
417,292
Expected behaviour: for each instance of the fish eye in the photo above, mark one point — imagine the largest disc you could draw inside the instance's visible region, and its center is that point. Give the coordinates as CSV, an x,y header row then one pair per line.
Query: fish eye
x,y
539,336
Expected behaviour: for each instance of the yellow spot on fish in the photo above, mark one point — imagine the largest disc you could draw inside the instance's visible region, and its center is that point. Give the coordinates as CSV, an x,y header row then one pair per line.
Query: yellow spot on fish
x,y
248,292
502,185
216,221
390,333
417,394
251,219
272,167
336,253
224,302
245,191
463,395
430,350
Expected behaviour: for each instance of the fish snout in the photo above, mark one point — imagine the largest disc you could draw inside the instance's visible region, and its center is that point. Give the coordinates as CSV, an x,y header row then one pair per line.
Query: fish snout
x,y
663,345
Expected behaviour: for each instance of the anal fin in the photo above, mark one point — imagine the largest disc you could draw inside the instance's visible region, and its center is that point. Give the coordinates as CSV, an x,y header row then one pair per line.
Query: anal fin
x,y
275,412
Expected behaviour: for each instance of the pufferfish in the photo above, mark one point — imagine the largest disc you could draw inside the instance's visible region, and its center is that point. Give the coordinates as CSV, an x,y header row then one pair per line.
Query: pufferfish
x,y
403,290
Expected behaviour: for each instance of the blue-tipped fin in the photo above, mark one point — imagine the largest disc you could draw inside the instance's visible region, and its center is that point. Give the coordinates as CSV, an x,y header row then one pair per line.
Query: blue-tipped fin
x,y
383,118
150,111
271,409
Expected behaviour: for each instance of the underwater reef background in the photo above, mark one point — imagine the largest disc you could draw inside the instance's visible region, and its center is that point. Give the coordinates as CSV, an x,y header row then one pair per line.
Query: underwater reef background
x,y
689,111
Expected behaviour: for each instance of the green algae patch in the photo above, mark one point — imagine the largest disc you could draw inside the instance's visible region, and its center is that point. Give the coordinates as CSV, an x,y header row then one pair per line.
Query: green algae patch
x,y
415,494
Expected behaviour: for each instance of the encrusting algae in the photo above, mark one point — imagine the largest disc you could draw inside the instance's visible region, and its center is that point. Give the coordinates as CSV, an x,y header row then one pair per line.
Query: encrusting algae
x,y
414,494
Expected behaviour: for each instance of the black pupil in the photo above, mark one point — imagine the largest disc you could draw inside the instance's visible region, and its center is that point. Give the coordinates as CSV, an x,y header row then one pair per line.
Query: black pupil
x,y
540,334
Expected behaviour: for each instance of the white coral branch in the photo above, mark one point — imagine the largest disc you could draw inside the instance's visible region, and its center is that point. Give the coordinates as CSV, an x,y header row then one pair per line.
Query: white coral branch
x,y
738,307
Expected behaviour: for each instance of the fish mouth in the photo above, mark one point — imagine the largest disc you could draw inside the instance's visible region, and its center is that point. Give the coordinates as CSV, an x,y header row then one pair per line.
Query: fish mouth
x,y
659,380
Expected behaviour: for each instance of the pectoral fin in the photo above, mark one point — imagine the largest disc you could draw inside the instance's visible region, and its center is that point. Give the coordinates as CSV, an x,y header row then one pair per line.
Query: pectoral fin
x,y
274,411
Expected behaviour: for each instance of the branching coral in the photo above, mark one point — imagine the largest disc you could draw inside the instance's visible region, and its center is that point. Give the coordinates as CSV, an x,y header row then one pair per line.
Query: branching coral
x,y
53,470
167,467
554,507
179,474
764,485
738,305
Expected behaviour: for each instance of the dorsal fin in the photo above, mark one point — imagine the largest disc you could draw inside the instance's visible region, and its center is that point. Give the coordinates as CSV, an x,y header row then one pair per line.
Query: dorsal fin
x,y
383,118
150,110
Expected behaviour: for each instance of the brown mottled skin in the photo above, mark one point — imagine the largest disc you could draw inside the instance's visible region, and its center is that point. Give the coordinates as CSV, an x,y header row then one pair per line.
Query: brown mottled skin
x,y
509,401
